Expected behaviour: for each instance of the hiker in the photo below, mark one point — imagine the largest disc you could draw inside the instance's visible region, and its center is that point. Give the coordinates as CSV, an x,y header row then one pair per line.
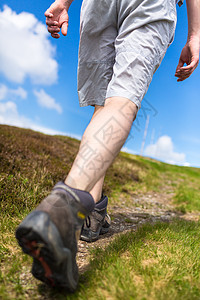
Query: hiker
x,y
122,43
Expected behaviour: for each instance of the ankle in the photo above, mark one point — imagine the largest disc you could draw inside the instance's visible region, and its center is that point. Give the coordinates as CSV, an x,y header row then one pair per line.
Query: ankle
x,y
85,197
102,203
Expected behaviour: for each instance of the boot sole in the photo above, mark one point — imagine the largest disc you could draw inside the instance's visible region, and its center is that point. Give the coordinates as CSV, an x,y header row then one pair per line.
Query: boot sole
x,y
52,262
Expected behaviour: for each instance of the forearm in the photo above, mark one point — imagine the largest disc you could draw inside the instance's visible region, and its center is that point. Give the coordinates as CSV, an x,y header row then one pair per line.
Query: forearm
x,y
193,11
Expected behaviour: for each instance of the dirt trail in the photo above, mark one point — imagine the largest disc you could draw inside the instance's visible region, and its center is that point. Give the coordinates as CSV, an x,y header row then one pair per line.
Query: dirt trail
x,y
149,208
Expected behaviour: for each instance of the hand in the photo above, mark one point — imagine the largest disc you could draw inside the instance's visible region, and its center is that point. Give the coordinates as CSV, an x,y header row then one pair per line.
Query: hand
x,y
190,56
56,18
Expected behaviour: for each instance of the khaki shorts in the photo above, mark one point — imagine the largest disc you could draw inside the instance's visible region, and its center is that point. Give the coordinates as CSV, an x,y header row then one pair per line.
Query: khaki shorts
x,y
122,43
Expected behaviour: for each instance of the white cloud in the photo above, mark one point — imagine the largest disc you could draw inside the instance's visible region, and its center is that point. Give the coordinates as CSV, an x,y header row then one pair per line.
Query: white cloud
x,y
25,50
9,115
47,101
3,91
7,108
19,92
163,150
12,94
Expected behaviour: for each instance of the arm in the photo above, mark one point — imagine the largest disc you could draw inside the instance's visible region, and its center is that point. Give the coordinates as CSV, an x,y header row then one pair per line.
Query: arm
x,y
57,17
190,52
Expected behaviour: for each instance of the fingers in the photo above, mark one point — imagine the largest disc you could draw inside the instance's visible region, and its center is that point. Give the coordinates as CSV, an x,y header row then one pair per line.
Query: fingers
x,y
64,28
53,29
55,35
180,65
54,26
190,58
191,67
48,14
183,72
50,22
182,75
179,71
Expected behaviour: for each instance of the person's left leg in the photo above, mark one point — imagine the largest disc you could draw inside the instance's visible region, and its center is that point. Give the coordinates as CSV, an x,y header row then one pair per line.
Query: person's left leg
x,y
98,222
96,191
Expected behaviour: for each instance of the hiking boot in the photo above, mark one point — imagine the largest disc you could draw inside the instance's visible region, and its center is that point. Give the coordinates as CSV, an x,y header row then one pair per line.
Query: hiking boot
x,y
49,234
98,222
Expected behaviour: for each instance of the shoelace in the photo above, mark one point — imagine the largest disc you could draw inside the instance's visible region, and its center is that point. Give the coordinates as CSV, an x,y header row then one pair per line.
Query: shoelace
x,y
88,222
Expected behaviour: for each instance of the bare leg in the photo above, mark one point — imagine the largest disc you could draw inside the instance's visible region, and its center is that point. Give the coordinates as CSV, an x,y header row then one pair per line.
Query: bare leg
x,y
96,191
101,142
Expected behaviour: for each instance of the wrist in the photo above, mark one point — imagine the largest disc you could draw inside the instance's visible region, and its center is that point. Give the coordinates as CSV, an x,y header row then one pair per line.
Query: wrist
x,y
193,37
68,3
65,3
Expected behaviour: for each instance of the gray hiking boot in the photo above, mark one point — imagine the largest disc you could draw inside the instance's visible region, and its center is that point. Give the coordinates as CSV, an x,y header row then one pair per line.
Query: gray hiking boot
x,y
98,222
49,234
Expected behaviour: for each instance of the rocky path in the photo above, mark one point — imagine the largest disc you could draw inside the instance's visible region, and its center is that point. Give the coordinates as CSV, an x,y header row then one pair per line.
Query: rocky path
x,y
149,208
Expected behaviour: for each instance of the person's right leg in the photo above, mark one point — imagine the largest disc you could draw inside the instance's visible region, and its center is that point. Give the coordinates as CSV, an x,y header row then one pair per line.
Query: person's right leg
x,y
96,191
98,222
101,142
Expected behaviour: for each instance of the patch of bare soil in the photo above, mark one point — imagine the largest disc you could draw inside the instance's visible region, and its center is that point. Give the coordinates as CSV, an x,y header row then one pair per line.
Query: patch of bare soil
x,y
148,208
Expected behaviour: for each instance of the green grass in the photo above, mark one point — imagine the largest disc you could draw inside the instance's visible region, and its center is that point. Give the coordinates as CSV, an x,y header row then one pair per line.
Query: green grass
x,y
187,198
157,262
160,261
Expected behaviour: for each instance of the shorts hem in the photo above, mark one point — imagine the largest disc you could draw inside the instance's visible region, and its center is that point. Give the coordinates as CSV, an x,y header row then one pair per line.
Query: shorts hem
x,y
92,103
124,95
110,95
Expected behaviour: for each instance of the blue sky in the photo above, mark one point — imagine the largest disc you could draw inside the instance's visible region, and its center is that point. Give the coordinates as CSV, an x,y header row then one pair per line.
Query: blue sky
x,y
38,86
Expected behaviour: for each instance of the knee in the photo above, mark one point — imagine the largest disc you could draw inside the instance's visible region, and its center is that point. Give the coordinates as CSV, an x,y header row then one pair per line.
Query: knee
x,y
125,106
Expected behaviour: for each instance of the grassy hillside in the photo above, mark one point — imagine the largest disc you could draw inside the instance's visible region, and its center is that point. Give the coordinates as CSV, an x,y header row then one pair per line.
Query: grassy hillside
x,y
31,163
